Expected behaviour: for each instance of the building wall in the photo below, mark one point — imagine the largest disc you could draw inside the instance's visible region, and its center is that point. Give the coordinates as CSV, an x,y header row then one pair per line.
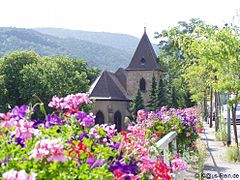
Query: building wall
x,y
108,108
133,81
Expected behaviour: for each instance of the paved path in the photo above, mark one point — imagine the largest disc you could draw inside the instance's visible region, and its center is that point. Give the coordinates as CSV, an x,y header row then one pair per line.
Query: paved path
x,y
216,165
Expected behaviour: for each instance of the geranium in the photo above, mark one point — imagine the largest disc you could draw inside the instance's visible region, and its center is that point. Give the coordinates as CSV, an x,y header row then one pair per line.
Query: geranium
x,y
52,149
178,164
79,149
161,170
21,175
71,102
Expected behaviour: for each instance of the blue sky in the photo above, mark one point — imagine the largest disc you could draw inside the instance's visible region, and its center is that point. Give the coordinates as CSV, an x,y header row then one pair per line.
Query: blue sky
x,y
117,16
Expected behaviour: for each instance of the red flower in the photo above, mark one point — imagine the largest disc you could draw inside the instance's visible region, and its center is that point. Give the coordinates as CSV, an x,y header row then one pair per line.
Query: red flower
x,y
79,149
158,133
126,139
161,171
118,175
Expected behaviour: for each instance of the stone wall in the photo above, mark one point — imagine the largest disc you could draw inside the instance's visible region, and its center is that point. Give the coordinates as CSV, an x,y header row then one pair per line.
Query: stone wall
x,y
108,108
133,81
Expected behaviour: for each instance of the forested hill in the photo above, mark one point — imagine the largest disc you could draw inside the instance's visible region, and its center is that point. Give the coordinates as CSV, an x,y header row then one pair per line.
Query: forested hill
x,y
107,51
119,41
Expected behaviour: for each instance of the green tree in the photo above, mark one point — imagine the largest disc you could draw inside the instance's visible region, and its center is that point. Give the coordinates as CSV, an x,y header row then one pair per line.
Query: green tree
x,y
136,104
172,55
54,76
11,77
161,94
152,104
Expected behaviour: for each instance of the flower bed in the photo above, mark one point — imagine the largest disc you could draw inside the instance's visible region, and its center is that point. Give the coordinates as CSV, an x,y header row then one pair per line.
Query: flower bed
x,y
67,144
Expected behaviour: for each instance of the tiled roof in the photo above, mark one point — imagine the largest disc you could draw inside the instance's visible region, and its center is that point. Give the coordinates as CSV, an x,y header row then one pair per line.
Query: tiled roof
x,y
144,57
108,87
121,74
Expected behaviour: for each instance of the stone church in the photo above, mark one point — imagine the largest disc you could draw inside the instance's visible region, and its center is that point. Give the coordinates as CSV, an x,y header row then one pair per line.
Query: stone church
x,y
113,92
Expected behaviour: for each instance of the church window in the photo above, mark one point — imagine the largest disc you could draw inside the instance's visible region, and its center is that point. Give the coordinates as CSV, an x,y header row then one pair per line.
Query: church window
x,y
99,119
118,121
142,85
143,61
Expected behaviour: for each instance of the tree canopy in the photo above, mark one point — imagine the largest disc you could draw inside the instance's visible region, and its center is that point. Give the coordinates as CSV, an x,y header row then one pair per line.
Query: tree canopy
x,y
24,74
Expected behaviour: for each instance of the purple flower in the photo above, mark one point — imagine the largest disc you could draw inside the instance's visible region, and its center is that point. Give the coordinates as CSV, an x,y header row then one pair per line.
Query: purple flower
x,y
85,119
37,123
95,162
83,135
5,161
53,120
130,168
115,145
22,112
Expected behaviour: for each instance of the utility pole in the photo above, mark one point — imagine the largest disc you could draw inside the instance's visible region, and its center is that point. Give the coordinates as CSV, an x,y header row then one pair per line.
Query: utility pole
x,y
228,123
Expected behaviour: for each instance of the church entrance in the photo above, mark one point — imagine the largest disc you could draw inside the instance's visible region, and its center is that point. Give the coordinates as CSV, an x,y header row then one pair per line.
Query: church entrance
x,y
118,121
99,119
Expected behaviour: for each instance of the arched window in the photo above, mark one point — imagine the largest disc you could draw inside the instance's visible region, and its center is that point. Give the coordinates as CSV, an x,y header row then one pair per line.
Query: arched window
x,y
118,121
142,85
99,119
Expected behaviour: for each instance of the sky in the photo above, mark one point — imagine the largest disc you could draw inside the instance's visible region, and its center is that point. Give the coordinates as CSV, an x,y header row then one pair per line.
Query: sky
x,y
116,16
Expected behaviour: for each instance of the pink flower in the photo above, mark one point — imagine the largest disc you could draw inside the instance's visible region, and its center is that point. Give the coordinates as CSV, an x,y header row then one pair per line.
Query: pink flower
x,y
21,175
141,115
71,102
188,134
24,129
56,102
6,120
51,149
179,164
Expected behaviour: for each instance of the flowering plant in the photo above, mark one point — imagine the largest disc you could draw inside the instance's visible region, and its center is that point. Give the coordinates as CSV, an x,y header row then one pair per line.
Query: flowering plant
x,y
67,145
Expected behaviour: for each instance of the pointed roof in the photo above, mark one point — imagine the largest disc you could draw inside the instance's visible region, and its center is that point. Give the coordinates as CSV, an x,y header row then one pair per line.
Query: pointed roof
x,y
121,74
108,87
144,57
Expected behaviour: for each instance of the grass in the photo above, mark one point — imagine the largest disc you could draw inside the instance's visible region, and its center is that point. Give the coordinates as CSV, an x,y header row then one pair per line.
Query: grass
x,y
221,134
233,153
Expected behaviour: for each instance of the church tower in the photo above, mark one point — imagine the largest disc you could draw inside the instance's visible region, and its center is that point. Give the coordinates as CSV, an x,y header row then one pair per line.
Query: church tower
x,y
142,68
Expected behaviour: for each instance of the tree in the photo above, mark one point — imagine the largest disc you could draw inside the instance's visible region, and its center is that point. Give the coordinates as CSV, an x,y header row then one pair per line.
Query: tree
x,y
152,104
161,94
54,76
172,55
216,51
11,77
136,104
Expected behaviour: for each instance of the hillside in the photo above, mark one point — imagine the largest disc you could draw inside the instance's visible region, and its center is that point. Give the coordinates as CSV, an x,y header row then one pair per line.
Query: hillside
x,y
119,41
97,55
107,51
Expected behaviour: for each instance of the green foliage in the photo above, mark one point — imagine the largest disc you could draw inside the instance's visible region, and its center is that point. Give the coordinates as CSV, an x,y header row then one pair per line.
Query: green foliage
x,y
11,78
221,134
175,63
161,94
25,76
233,153
152,104
136,104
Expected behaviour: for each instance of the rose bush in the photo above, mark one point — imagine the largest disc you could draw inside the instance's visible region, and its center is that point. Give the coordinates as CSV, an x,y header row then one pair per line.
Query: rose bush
x,y
67,145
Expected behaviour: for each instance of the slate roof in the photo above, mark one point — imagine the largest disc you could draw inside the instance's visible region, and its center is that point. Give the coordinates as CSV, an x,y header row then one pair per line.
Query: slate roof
x,y
108,87
121,74
144,57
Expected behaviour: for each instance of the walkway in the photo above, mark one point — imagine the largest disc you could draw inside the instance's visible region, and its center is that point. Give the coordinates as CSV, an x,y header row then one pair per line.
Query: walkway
x,y
216,165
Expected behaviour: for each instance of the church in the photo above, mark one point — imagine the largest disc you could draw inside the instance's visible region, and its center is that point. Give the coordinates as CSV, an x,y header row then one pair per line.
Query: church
x,y
113,92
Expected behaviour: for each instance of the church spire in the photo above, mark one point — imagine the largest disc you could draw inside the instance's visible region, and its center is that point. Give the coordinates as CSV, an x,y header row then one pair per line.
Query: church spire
x,y
144,57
